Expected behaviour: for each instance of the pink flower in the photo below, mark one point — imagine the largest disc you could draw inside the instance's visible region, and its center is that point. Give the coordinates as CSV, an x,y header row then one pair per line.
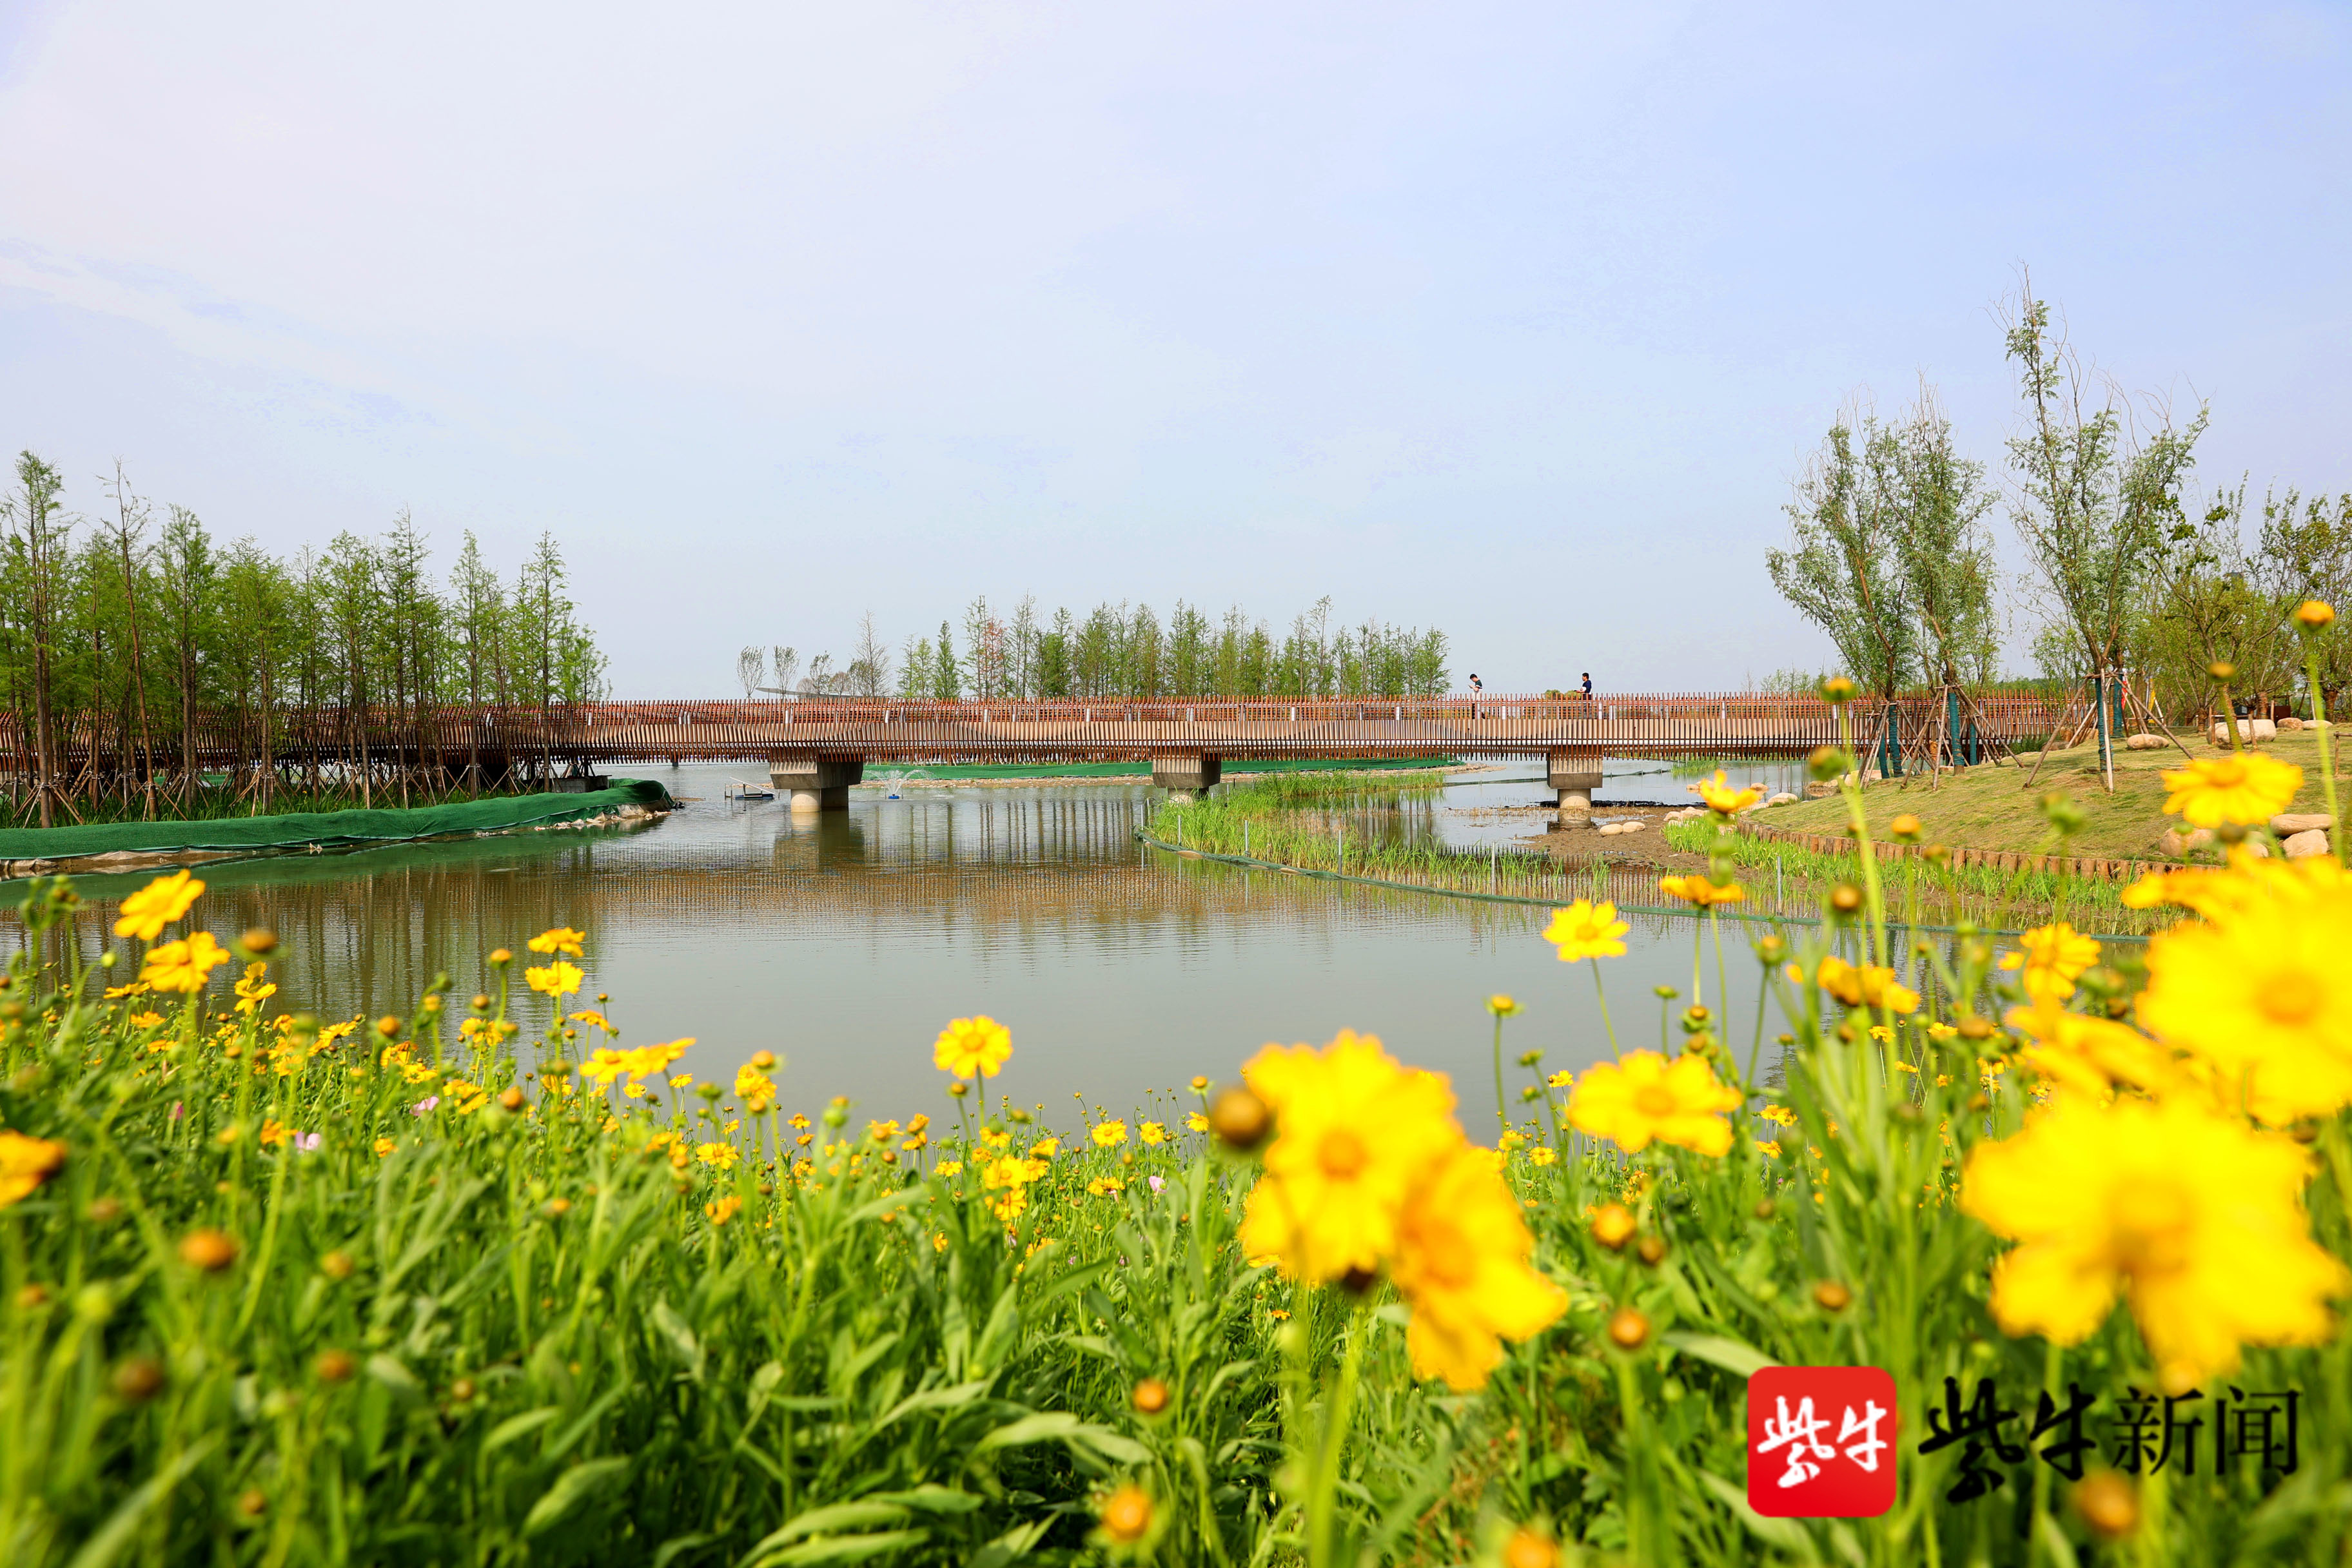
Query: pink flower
x,y
421,1106
1156,1182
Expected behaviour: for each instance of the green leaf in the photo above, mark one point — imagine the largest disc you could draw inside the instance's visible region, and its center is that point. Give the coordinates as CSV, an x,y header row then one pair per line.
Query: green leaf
x,y
515,1427
111,1537
680,1335
1734,1356
845,1549
1784,1533
389,1370
571,1489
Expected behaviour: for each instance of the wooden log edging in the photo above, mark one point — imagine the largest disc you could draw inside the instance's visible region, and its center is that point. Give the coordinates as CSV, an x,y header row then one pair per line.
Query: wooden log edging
x,y
2009,860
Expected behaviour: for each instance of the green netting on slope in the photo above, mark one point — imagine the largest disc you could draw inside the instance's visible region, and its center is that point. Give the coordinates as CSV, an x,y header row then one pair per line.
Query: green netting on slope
x,y
324,828
1143,770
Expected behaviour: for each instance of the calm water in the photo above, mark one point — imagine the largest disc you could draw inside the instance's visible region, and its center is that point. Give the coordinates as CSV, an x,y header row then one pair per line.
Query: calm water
x,y
845,943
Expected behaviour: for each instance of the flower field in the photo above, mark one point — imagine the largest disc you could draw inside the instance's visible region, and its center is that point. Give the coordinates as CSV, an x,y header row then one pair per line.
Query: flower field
x,y
493,1282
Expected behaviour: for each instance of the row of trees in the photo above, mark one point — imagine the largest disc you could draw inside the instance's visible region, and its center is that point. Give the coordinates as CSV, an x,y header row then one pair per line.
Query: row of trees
x,y
1891,556
123,629
1118,652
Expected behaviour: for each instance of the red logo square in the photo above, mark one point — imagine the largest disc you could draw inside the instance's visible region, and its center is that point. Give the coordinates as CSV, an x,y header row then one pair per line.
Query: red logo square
x,y
1820,1442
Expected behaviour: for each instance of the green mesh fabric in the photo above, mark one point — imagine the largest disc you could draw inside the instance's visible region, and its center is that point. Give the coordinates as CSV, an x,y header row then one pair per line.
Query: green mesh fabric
x,y
325,828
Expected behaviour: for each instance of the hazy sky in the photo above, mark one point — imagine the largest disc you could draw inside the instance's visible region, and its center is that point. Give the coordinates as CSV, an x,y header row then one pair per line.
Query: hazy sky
x,y
1514,317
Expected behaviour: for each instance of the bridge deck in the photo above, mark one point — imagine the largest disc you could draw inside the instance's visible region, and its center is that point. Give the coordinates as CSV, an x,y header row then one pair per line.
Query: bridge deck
x,y
1082,730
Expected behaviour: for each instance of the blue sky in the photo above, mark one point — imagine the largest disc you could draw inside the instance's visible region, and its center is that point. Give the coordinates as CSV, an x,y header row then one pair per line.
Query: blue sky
x,y
1514,319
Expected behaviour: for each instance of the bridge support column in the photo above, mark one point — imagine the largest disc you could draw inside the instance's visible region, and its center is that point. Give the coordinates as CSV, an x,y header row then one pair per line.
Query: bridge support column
x,y
817,783
1185,777
1573,776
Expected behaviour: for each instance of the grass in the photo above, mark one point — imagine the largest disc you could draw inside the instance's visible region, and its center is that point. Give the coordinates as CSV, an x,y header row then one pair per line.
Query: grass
x,y
413,1291
1988,808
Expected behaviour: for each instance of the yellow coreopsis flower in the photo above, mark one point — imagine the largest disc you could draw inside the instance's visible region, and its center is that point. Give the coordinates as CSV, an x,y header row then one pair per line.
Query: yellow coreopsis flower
x,y
184,965
1503,1007
972,1048
1865,985
2244,787
562,938
2094,1055
1644,1098
1153,1134
2263,992
24,1163
604,1065
719,1211
1110,1134
2055,957
755,1088
717,1156
1587,930
146,912
1355,1132
590,1016
2195,1218
252,991
1700,893
1461,1260
558,979
1196,1121
1724,800
646,1060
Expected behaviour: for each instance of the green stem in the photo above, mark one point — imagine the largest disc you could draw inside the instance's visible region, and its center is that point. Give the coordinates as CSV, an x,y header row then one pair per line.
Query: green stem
x,y
1610,1029
2327,758
1502,1117
1332,1440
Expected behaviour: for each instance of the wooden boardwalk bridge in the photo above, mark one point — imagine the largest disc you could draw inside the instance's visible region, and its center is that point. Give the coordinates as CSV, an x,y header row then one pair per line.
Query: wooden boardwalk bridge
x,y
818,748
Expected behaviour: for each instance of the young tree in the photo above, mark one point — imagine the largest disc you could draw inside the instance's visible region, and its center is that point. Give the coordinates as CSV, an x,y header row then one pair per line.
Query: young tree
x,y
947,684
752,669
869,668
37,530
1933,502
1840,569
2095,498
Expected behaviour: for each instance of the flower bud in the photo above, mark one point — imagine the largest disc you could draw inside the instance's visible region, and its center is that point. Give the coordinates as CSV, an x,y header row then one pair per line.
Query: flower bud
x,y
1629,1330
2315,615
1240,1119
210,1250
335,1366
1832,1296
1151,1396
260,942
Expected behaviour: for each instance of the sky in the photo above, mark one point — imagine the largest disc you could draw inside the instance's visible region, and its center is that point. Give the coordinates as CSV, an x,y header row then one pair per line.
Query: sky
x,y
1516,320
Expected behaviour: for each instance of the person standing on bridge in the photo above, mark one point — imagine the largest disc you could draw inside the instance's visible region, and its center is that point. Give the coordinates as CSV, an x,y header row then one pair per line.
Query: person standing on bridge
x,y
1474,687
1588,686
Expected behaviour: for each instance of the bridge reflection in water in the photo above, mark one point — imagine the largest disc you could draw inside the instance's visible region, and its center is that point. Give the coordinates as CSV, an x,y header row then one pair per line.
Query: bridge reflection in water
x,y
845,940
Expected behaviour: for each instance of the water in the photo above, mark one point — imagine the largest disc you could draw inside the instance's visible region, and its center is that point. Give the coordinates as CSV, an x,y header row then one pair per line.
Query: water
x,y
846,942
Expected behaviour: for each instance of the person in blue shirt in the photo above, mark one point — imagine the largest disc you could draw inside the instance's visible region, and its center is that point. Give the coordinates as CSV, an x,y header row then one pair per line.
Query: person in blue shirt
x,y
1588,686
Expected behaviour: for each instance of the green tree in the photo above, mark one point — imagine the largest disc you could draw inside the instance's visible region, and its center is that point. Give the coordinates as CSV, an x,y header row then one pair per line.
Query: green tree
x,y
1841,570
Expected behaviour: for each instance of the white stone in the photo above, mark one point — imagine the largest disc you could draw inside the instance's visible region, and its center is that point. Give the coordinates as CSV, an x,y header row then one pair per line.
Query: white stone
x,y
2300,846
2263,730
1818,789
1631,827
2142,743
2177,844
1783,799
1610,829
2290,722
2286,824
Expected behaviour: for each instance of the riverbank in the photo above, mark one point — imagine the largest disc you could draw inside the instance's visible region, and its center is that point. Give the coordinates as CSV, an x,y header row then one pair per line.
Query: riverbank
x,y
127,845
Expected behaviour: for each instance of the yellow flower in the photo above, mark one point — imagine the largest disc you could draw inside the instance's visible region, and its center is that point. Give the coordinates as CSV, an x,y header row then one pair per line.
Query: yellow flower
x,y
1106,1186
251,991
972,1048
881,1132
949,1168
1643,1098
24,1163
590,1016
1561,1079
383,1146
1461,1260
2195,1218
1510,1141
1698,892
184,965
2093,1055
1196,1121
146,912
469,1097
755,1088
135,988
1355,1132
2262,993
1110,1134
723,1210
143,1021
1542,1155
1723,799
1044,1148
562,938
1587,930
558,979
2244,786
717,1156
1867,985
1008,1170
1153,1134
2055,956
1502,1006
1769,1146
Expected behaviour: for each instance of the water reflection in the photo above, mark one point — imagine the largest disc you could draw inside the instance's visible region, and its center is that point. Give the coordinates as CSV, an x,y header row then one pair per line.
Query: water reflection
x,y
846,942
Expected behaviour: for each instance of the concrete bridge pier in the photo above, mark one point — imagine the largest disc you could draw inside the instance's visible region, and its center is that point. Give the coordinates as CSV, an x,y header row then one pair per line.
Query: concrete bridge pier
x,y
817,783
1186,777
1573,776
